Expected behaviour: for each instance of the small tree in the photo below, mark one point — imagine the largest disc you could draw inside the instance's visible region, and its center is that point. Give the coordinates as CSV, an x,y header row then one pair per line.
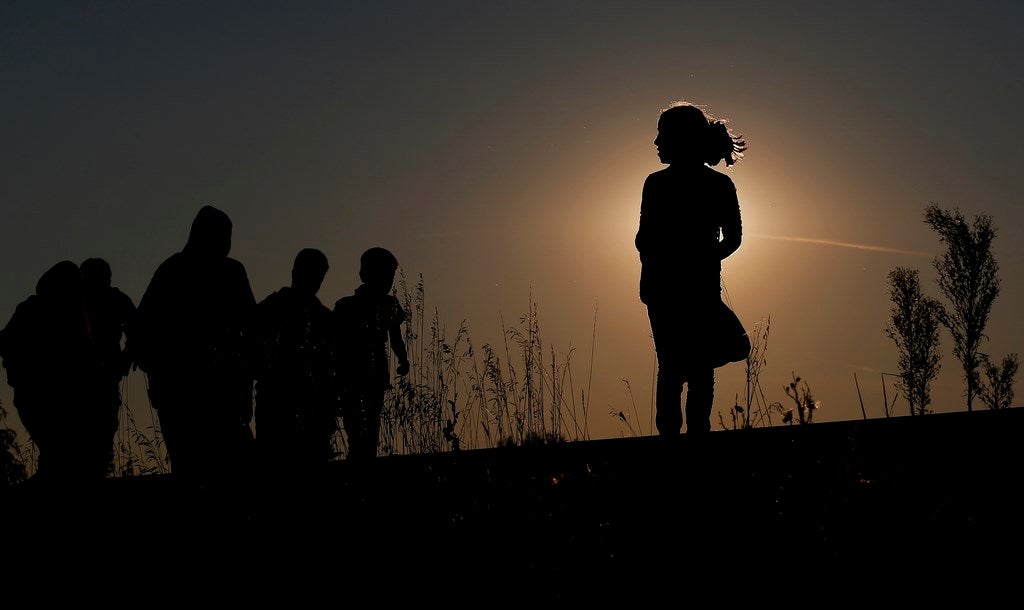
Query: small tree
x,y
997,393
968,277
914,327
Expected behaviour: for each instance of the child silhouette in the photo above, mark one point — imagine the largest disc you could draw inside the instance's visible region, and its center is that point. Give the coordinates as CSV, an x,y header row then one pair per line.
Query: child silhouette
x,y
296,390
689,223
367,322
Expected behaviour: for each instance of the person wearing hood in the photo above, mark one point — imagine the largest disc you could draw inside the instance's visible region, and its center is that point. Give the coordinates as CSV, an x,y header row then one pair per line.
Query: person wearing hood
x,y
188,338
51,367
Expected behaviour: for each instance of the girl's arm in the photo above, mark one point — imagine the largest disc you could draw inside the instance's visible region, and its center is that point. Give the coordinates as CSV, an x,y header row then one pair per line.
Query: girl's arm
x,y
732,227
398,347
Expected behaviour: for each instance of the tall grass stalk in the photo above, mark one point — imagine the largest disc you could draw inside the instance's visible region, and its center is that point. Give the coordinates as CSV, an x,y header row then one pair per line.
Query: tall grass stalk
x,y
621,416
138,450
458,397
755,410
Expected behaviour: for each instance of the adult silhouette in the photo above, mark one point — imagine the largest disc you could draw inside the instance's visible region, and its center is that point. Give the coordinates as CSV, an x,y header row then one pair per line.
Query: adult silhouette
x,y
189,339
296,389
368,322
56,377
109,312
689,223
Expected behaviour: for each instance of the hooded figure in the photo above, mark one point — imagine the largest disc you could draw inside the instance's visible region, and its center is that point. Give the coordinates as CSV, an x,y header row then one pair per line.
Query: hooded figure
x,y
55,375
189,339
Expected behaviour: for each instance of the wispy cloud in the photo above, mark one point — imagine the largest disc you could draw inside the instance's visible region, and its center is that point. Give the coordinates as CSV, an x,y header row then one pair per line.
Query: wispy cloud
x,y
842,244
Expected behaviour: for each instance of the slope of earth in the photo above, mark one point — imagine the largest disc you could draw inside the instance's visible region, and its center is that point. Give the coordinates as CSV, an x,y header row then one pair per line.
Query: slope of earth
x,y
930,500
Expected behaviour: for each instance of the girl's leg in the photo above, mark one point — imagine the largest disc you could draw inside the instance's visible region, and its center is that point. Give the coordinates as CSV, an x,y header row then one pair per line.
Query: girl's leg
x,y
668,403
700,395
667,334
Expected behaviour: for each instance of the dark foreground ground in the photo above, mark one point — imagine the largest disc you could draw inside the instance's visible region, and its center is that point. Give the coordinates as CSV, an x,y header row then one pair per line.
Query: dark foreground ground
x,y
900,506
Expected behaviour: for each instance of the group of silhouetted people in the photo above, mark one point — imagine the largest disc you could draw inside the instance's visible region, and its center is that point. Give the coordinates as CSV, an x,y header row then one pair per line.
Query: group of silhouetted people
x,y
213,357
63,355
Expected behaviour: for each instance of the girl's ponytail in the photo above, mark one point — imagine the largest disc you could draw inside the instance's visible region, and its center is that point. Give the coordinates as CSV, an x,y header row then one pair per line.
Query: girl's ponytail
x,y
722,145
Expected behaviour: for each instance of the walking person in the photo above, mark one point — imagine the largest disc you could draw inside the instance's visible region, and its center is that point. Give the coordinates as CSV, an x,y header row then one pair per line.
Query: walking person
x,y
109,311
56,377
368,322
189,339
296,385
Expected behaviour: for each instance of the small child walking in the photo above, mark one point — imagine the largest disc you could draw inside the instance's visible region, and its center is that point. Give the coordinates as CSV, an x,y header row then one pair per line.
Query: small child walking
x,y
368,322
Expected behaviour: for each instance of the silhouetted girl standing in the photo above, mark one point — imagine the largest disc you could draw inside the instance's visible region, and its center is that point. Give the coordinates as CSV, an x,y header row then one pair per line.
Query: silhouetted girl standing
x,y
689,223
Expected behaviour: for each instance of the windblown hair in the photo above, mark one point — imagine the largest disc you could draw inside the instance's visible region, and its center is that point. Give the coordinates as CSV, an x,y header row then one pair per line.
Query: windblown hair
x,y
717,140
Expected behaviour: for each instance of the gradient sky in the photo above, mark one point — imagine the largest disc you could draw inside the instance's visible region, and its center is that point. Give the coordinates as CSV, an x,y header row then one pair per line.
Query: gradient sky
x,y
499,150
